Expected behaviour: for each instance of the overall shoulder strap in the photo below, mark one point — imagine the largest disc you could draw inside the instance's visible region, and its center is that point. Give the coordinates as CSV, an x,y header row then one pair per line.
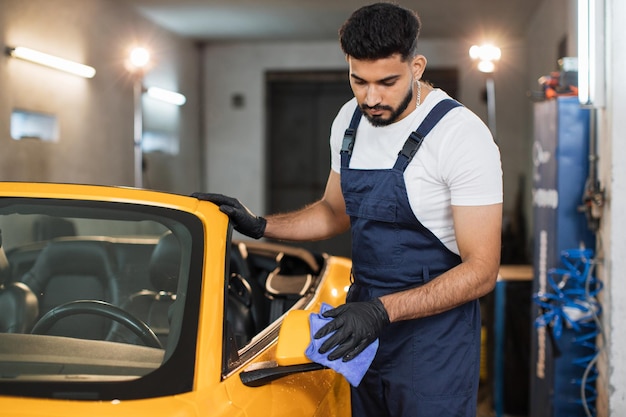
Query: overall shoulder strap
x,y
350,134
415,139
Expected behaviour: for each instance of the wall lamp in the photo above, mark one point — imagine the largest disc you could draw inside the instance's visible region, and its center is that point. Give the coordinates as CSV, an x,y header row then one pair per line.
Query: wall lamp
x,y
51,61
591,87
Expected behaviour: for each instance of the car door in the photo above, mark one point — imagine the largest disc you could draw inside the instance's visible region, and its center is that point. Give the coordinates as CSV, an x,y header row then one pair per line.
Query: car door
x,y
303,393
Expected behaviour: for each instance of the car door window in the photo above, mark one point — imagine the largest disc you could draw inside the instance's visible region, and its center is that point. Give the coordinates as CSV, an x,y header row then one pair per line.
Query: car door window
x,y
106,291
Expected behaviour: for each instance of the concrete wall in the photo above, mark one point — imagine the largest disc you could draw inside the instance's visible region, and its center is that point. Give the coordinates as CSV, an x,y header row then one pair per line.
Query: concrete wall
x,y
95,116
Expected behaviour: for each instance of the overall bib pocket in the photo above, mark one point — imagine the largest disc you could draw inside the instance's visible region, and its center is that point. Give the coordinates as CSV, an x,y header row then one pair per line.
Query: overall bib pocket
x,y
373,229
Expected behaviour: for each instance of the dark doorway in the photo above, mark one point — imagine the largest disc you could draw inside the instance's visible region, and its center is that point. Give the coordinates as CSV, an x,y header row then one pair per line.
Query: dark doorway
x,y
301,109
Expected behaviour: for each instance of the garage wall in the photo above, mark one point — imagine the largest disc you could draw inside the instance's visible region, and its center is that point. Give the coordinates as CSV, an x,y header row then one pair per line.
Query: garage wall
x,y
612,148
95,116
235,135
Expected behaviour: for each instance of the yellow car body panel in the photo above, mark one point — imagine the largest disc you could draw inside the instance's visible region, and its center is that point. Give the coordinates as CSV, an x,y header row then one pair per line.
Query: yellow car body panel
x,y
214,391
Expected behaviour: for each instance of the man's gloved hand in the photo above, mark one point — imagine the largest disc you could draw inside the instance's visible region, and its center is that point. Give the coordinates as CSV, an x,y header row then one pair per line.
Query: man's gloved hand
x,y
243,219
357,325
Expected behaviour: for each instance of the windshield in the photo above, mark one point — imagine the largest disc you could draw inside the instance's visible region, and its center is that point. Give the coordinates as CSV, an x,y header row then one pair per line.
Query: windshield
x,y
97,292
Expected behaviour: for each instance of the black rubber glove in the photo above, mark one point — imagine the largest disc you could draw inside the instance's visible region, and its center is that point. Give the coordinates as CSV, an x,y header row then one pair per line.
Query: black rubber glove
x,y
357,325
243,219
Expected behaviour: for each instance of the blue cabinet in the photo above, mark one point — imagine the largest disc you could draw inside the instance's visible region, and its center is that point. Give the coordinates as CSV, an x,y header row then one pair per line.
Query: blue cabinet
x,y
560,170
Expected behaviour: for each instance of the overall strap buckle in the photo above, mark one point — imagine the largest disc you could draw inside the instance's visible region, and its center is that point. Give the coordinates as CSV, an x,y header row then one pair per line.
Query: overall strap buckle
x,y
350,135
412,145
415,139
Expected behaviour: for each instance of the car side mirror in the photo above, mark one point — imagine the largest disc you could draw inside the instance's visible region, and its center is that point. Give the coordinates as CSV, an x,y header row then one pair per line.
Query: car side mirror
x,y
293,338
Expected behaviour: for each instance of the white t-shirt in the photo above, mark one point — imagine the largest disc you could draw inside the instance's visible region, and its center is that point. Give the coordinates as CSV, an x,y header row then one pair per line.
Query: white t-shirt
x,y
457,164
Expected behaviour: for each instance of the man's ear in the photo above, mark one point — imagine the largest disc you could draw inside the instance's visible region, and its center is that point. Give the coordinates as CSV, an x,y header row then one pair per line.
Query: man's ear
x,y
418,65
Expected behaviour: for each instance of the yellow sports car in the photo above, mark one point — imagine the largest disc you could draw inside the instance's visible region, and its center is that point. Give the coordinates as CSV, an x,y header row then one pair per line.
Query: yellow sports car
x,y
124,302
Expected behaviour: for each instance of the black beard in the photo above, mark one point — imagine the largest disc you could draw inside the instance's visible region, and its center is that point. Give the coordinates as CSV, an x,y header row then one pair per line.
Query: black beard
x,y
378,121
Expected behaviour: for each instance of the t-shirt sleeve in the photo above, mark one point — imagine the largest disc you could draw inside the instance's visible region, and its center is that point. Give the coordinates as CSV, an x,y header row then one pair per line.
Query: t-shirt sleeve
x,y
471,164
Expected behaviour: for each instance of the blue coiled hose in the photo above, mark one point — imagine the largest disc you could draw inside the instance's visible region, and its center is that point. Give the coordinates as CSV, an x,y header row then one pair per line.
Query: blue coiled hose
x,y
571,301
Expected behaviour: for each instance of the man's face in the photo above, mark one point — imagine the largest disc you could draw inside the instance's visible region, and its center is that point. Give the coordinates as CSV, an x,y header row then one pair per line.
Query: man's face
x,y
383,88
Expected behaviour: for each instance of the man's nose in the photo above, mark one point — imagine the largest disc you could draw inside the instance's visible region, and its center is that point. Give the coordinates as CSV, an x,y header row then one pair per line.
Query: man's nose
x,y
373,96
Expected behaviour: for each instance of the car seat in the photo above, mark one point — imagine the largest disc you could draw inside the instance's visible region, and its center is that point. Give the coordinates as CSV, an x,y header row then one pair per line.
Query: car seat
x,y
153,305
69,270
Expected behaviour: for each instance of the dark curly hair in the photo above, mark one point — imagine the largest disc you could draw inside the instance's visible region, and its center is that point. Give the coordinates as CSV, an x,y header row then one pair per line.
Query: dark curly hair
x,y
380,30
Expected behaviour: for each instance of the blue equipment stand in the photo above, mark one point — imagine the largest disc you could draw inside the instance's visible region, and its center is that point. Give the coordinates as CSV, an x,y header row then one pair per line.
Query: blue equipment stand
x,y
560,162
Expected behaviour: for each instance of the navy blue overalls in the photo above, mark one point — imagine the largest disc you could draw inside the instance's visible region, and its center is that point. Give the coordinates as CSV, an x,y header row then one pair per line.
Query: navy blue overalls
x,y
426,367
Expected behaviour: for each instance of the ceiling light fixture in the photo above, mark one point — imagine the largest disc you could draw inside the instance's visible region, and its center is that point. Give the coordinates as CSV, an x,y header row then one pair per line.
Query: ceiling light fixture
x,y
166,96
51,61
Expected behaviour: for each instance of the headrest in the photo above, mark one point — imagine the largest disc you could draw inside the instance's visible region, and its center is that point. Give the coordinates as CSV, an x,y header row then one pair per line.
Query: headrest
x,y
47,228
165,263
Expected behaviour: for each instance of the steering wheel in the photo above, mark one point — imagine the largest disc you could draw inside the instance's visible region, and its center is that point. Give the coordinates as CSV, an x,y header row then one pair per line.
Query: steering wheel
x,y
98,308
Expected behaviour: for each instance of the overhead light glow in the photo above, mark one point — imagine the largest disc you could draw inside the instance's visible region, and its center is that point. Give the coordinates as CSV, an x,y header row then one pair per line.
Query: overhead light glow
x,y
485,52
52,61
486,66
166,96
487,55
139,58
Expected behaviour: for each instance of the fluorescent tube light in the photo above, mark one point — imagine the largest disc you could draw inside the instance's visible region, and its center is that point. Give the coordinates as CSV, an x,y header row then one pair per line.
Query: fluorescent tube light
x,y
591,88
166,96
52,61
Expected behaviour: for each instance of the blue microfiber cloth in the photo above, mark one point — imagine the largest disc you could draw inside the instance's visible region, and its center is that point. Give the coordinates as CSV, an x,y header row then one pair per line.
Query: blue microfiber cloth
x,y
353,370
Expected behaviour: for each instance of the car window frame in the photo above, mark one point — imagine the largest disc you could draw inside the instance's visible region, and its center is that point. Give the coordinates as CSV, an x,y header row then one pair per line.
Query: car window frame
x,y
178,367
